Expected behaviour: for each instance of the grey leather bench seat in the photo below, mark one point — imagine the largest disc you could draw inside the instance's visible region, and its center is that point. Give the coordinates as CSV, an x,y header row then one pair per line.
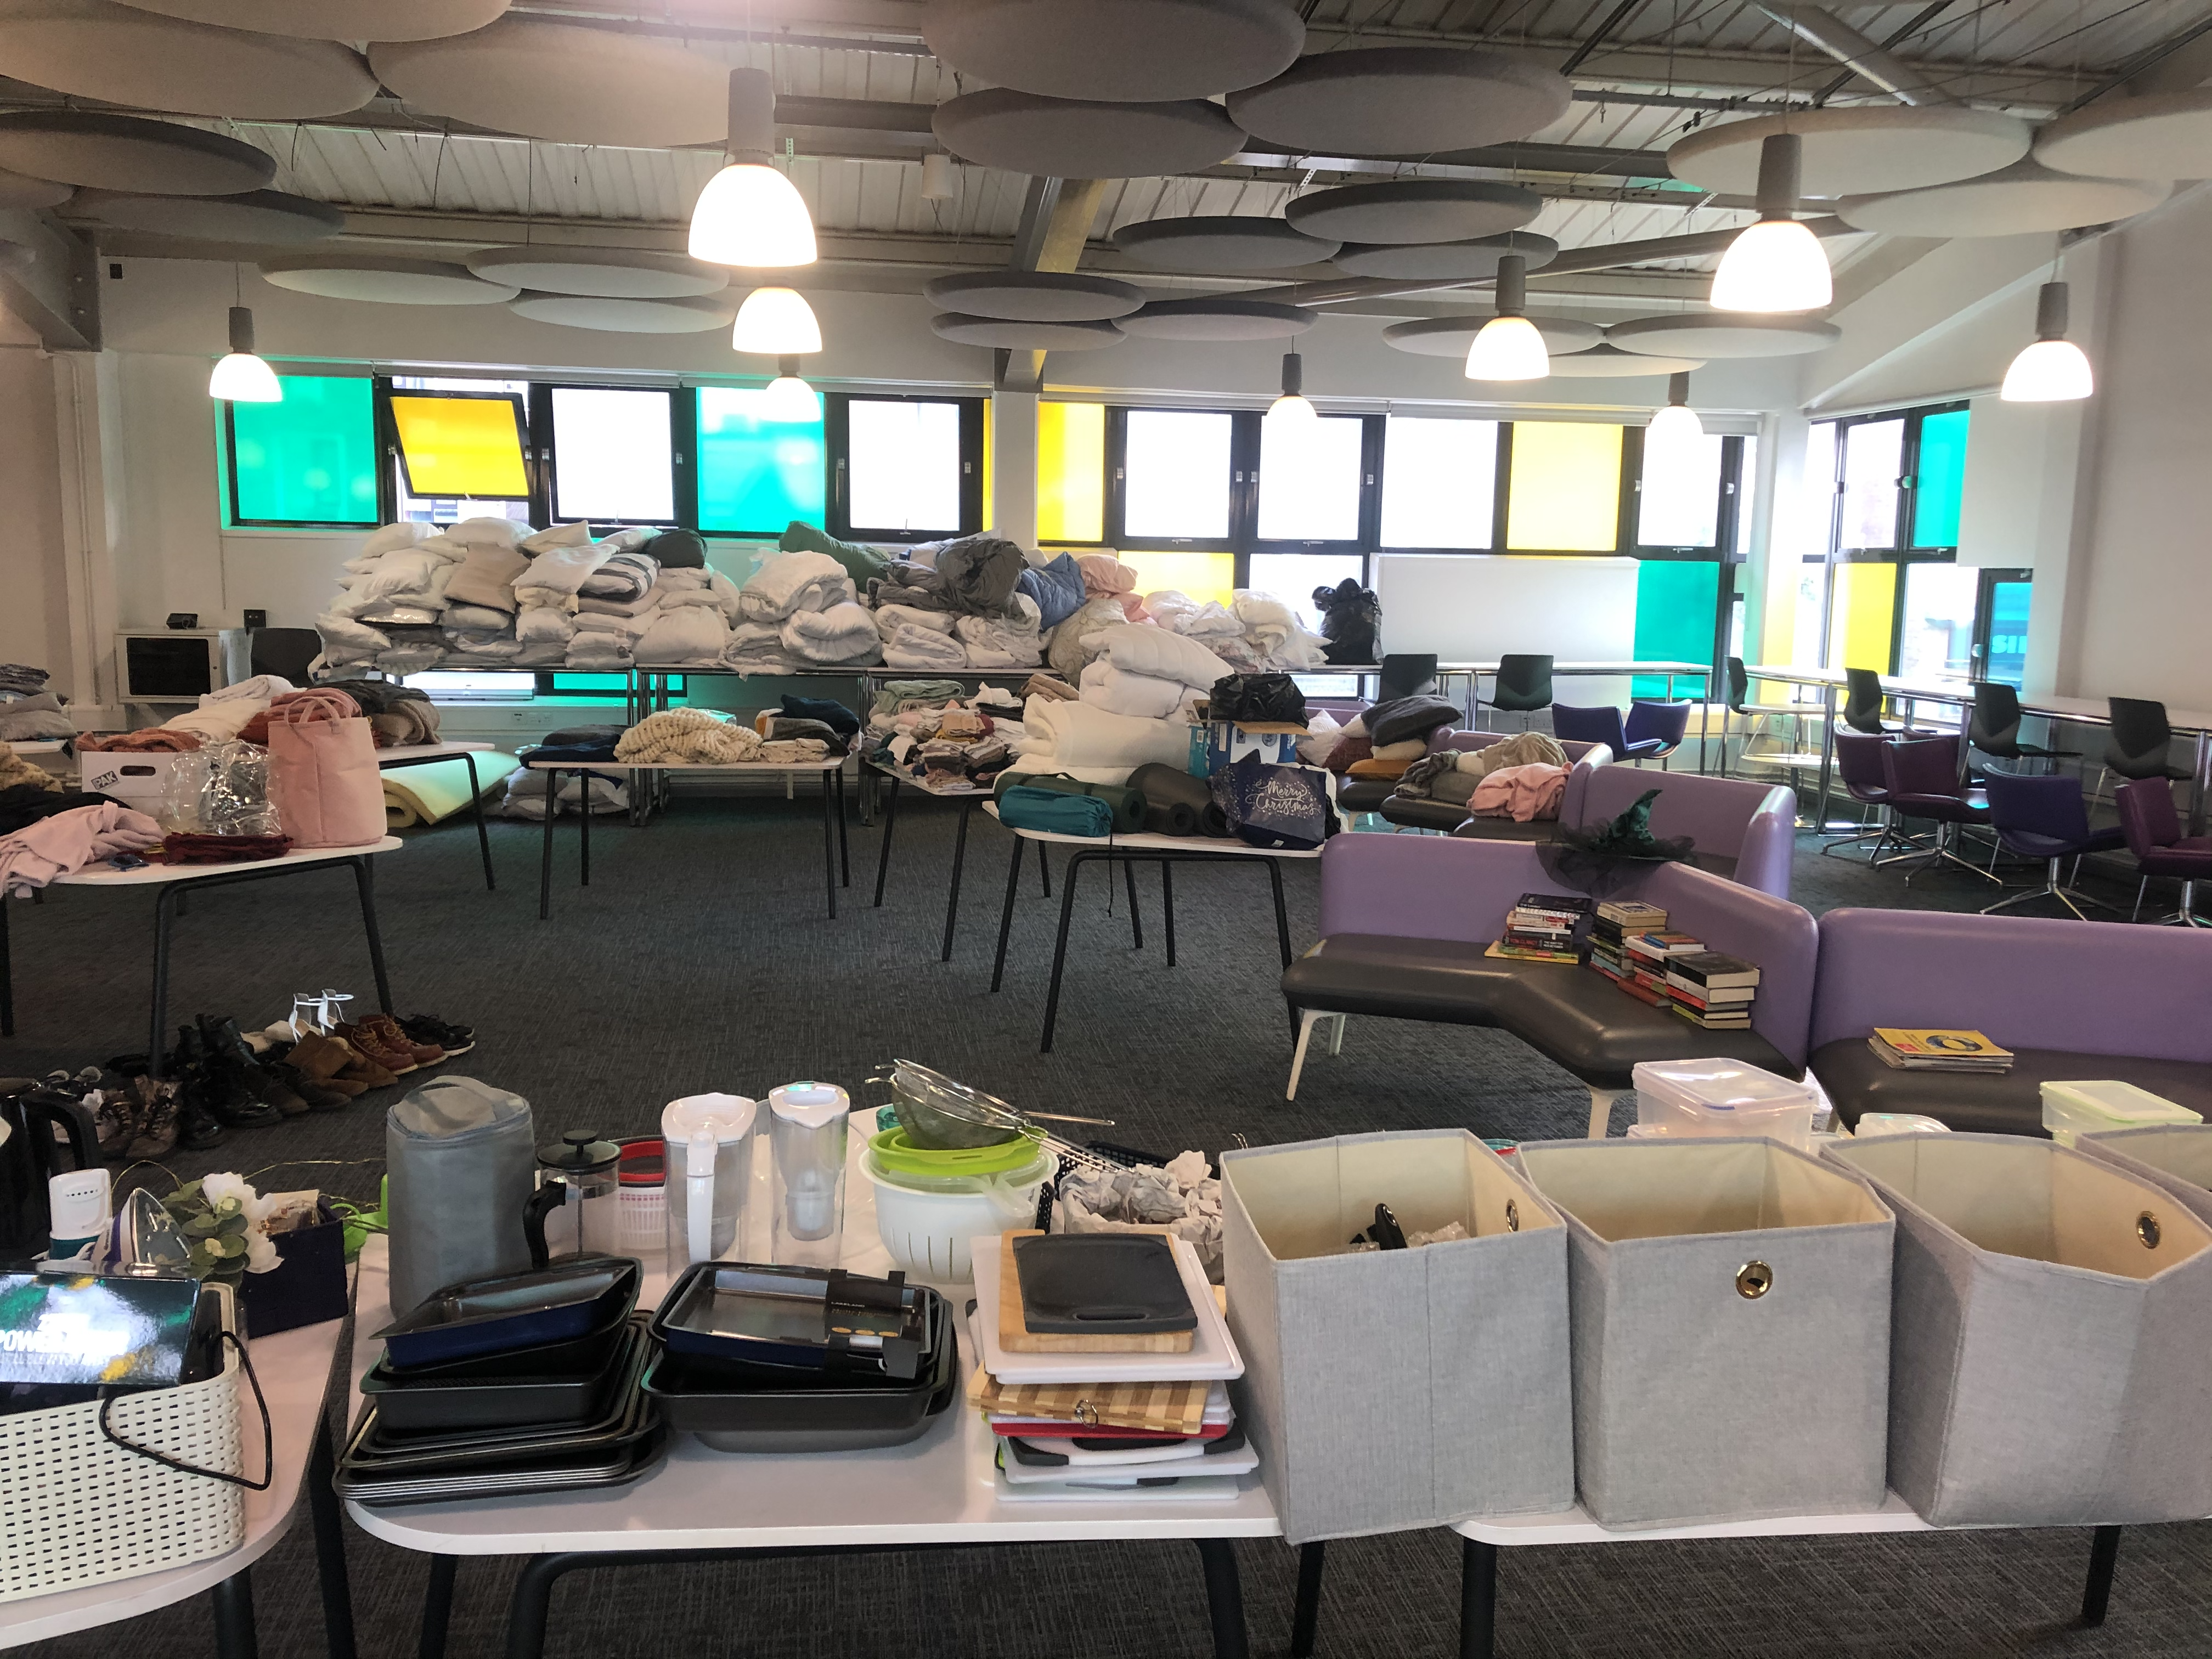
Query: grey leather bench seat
x,y
2009,1102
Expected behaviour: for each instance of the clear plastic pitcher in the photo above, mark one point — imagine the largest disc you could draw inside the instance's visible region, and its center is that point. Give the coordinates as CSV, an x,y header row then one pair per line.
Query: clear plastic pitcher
x,y
807,1126
710,1160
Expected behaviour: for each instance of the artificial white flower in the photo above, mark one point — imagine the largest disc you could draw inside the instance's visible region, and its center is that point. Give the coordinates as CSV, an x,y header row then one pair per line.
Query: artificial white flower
x,y
260,1253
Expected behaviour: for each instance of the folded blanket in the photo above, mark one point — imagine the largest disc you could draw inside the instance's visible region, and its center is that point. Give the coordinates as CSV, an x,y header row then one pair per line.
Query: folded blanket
x,y
485,578
1056,586
688,737
684,634
345,640
40,716
540,624
486,644
1105,577
627,627
974,576
602,650
625,577
626,610
1163,655
68,841
1141,696
1008,641
916,647
843,634
217,719
788,583
1523,793
557,573
755,648
889,618
1179,613
1084,734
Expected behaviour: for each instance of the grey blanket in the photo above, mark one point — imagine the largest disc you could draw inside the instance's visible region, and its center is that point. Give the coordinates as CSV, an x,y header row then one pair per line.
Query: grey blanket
x,y
974,577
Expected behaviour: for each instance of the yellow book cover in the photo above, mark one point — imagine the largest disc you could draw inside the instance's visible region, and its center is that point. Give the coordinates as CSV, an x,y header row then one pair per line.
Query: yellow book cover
x,y
1941,1045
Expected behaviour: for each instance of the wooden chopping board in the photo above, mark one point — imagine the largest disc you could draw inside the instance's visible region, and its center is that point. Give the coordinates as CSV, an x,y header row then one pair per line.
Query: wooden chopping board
x,y
1016,1337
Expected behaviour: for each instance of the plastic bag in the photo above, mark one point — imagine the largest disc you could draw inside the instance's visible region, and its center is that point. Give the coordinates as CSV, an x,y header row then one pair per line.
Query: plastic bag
x,y
220,789
1180,1195
1251,699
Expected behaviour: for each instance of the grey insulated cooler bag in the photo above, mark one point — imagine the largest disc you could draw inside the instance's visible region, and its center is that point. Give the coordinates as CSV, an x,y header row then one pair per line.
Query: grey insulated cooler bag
x,y
2052,1363
1731,1306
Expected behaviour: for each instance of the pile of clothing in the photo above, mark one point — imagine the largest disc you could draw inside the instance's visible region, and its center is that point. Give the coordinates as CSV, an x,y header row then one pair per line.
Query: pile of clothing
x,y
974,602
698,736
1254,633
35,717
800,610
223,716
1521,778
62,843
928,731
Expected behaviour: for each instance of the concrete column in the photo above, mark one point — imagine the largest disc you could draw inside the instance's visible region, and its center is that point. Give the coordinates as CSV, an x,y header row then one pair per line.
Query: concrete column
x,y
1011,510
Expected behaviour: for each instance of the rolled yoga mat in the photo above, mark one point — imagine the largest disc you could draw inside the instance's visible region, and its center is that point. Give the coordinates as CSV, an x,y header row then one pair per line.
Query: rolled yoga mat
x,y
1177,804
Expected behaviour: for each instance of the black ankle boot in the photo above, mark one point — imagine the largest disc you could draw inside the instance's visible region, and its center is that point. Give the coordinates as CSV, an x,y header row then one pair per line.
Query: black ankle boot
x,y
196,1131
241,1069
213,1087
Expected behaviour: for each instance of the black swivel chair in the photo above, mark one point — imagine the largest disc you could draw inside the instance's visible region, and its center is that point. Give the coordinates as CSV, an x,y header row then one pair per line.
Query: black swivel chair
x,y
1523,686
283,650
2141,745
1862,700
1994,726
1405,673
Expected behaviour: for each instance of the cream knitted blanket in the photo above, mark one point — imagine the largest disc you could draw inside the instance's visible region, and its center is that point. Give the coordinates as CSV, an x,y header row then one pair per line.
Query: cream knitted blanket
x,y
688,735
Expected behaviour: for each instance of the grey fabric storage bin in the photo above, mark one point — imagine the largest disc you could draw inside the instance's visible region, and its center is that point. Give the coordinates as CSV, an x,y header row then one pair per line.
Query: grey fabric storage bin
x,y
2175,1155
2052,1358
1730,1303
1395,1389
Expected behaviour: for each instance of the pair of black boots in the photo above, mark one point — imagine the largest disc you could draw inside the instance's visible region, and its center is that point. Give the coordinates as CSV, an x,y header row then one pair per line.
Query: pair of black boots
x,y
222,1084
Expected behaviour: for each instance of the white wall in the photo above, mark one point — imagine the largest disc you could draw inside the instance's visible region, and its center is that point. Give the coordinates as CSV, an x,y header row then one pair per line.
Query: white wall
x,y
34,620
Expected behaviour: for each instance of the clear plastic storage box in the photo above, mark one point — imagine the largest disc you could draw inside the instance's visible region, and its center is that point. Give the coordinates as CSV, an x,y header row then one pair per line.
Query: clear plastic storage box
x,y
2073,1109
1723,1097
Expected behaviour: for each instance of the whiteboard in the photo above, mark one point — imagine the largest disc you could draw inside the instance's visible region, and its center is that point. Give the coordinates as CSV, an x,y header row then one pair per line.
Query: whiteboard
x,y
1479,607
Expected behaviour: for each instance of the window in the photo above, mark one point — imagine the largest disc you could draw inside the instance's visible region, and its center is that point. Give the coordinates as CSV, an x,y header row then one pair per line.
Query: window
x,y
1861,609
1175,476
1939,478
1565,495
614,455
309,460
1936,624
756,476
908,469
1071,473
1677,603
1202,575
1439,484
1678,500
1874,463
461,444
1311,474
1292,578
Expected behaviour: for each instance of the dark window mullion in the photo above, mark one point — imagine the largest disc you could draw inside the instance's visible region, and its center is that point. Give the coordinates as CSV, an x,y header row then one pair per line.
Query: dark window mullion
x,y
683,437
1626,520
1244,485
1117,462
1501,488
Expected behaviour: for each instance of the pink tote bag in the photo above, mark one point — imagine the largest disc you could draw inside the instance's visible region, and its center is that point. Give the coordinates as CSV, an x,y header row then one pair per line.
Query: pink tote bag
x,y
324,780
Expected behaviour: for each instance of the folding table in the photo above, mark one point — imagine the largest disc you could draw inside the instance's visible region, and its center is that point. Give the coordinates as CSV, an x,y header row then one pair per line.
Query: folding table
x,y
424,754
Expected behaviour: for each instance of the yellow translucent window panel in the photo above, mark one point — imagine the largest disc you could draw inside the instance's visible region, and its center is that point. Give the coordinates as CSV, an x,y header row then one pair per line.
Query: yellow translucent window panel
x,y
1565,494
1071,472
1859,617
1202,575
460,446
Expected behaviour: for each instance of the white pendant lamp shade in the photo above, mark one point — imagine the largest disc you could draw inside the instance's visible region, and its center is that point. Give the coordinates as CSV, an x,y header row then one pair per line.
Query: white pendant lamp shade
x,y
776,322
1775,265
1676,427
1291,409
787,397
2054,369
242,377
939,182
1509,348
749,214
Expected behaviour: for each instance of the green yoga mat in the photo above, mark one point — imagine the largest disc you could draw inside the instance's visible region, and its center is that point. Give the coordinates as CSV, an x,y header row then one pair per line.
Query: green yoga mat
x,y
424,795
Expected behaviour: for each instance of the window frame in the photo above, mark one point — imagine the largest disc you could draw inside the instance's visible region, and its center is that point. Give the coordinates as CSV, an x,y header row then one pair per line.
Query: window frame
x,y
695,468
837,447
395,452
1499,479
1901,552
1727,545
235,520
1369,516
683,440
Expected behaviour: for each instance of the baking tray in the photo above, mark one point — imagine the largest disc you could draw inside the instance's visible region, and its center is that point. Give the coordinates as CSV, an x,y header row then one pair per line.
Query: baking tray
x,y
1101,1284
412,1405
385,1445
583,1353
514,1311
597,1469
796,1319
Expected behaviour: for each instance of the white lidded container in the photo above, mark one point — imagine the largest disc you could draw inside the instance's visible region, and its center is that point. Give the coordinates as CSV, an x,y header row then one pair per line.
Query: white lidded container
x,y
2073,1109
1723,1097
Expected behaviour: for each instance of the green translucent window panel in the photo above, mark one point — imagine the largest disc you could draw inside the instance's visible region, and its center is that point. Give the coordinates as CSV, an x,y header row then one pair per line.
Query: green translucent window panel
x,y
1674,609
310,459
756,476
1943,479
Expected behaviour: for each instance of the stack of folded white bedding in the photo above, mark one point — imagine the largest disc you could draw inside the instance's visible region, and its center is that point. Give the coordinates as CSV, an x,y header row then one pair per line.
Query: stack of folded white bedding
x,y
842,636
1063,736
1148,673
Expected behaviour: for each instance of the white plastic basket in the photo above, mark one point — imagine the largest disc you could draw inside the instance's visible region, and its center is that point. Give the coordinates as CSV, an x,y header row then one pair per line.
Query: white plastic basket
x,y
80,1509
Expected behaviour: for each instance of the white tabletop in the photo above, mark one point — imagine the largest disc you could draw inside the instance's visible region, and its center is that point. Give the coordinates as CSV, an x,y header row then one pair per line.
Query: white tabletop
x,y
2094,711
966,790
37,746
1575,1526
1226,846
829,764
936,1489
106,876
428,751
295,1369
1655,667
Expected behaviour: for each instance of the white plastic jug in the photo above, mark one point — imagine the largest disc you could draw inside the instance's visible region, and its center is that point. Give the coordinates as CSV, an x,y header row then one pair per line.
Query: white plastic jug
x,y
709,1140
807,1126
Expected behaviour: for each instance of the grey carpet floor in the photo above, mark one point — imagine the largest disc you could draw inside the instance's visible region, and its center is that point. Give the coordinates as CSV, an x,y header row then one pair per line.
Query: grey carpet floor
x,y
701,958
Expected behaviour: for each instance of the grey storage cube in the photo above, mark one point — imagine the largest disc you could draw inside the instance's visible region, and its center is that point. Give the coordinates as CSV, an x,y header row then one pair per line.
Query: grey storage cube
x,y
1730,1305
2052,1357
1395,1389
2175,1155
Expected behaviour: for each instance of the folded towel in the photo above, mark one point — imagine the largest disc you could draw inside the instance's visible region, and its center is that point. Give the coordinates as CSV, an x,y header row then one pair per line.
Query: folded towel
x,y
1141,696
788,583
684,634
1084,734
843,634
1165,655
916,646
889,618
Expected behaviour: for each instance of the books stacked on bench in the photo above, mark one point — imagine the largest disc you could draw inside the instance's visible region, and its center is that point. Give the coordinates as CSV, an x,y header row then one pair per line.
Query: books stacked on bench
x,y
1647,956
1923,1050
1615,921
1712,989
1541,928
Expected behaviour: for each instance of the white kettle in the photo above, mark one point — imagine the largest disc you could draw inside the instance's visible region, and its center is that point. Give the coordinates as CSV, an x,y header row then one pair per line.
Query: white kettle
x,y
710,1141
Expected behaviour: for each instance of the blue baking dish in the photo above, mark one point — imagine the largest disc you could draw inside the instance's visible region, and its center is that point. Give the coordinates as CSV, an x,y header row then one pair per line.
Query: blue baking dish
x,y
570,1300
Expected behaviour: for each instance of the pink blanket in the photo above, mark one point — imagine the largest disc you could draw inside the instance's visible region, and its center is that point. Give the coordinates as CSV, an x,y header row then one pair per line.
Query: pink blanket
x,y
1523,794
1105,577
68,841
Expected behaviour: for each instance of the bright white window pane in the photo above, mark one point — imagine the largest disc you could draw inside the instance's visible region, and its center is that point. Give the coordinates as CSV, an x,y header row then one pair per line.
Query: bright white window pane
x,y
903,466
449,687
1292,577
1439,482
613,457
1175,477
1680,503
1935,635
1309,480
1874,454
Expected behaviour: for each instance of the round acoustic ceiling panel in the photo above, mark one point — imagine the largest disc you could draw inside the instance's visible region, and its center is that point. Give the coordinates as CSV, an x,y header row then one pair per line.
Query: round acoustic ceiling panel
x,y
256,216
1450,337
1225,318
1709,334
1402,210
19,191
121,55
2164,135
122,152
605,272
1608,362
385,281
1036,296
692,313
1013,336
1118,51
1402,100
2011,202
565,82
1079,138
1446,261
337,20
1850,152
1222,241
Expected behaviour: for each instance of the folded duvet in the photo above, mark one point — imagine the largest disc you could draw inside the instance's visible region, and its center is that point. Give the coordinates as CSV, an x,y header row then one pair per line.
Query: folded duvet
x,y
1276,635
1084,734
788,583
844,633
684,634
1009,642
1163,655
889,618
544,624
346,640
916,646
756,648
1141,696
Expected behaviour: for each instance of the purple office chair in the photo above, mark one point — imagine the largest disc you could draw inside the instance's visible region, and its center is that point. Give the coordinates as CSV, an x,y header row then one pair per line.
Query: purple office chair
x,y
1922,777
2153,830
1662,722
2044,818
1602,725
1859,768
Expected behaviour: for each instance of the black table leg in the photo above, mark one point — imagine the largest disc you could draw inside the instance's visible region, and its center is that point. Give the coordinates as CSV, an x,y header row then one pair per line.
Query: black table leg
x,y
475,806
829,848
952,893
638,782
884,854
330,1545
1224,1598
437,1607
7,978
1478,1600
1167,903
533,1597
545,863
1136,922
234,1636
1044,869
844,851
364,881
1075,863
1282,927
165,910
2103,1556
1006,912
1305,1612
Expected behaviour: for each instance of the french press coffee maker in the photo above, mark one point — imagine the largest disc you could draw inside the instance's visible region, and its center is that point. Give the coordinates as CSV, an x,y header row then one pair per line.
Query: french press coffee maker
x,y
588,1221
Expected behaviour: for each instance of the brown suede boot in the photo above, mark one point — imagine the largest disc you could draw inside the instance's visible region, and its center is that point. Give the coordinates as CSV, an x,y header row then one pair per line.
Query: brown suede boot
x,y
319,1058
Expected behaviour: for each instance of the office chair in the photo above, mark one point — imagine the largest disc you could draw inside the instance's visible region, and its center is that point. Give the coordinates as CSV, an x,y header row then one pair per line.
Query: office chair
x,y
2153,830
2141,744
1404,674
1994,726
1662,723
2046,818
1524,685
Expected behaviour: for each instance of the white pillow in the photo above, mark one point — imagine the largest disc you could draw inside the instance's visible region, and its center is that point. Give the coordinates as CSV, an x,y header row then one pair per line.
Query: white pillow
x,y
392,538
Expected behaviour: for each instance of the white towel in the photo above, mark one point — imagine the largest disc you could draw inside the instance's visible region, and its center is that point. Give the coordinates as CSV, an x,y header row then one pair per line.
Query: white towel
x,y
1084,734
889,618
1141,696
789,582
917,647
1138,650
843,634
684,634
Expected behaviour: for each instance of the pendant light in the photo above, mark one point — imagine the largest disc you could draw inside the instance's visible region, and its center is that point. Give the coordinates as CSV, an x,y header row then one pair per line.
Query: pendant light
x,y
1291,409
937,183
788,398
1775,265
2053,369
776,322
1509,348
1677,425
243,377
751,213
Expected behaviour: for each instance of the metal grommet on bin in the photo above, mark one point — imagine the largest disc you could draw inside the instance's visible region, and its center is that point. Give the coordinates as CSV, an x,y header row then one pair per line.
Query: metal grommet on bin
x,y
2147,1229
1512,1216
1753,1279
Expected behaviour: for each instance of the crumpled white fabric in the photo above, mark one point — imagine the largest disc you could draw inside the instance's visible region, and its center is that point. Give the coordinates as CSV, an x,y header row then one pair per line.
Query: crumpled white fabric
x,y
390,538
842,633
755,648
1179,1196
1009,642
684,634
544,624
261,688
558,572
1179,613
788,583
1275,634
889,618
916,646
1141,696
345,640
1136,649
561,535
